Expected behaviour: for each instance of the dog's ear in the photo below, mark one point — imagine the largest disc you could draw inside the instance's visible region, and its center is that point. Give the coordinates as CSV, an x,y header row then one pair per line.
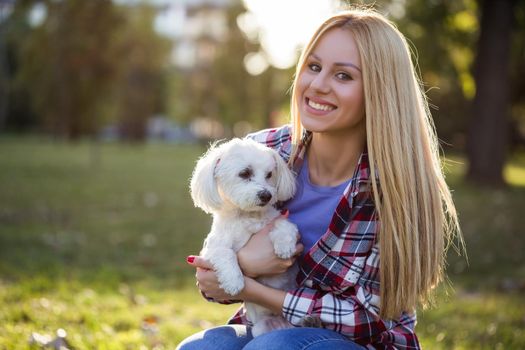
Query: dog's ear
x,y
285,179
203,185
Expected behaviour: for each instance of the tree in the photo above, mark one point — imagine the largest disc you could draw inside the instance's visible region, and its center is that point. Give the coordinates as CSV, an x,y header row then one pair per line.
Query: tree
x,y
67,64
447,37
4,70
19,114
139,92
488,128
89,63
517,129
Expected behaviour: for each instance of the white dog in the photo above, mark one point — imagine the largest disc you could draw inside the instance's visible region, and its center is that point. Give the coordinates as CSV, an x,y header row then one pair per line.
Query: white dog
x,y
239,182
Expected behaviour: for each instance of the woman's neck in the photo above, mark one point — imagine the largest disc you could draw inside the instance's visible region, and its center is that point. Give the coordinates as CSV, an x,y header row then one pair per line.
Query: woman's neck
x,y
332,158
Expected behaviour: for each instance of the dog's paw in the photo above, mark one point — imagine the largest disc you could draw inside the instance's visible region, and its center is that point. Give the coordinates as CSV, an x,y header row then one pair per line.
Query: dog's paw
x,y
311,321
284,249
284,237
233,286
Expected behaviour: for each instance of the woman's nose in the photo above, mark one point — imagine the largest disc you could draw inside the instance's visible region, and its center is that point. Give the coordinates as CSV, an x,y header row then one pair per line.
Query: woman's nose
x,y
320,83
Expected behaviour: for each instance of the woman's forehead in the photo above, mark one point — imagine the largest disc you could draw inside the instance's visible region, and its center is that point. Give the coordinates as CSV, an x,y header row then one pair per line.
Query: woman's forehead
x,y
337,46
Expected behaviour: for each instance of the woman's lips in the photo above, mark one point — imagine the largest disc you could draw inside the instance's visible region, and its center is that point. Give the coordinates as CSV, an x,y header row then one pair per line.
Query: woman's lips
x,y
318,106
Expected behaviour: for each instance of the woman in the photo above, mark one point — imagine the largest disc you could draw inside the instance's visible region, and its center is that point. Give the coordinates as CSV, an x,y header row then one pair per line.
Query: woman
x,y
373,209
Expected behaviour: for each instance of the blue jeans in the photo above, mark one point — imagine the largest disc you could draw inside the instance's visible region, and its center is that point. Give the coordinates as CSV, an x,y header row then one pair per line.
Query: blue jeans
x,y
236,337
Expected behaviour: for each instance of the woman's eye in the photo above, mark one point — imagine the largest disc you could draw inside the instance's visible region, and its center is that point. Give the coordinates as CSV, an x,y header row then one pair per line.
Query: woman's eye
x,y
314,67
269,175
343,76
246,174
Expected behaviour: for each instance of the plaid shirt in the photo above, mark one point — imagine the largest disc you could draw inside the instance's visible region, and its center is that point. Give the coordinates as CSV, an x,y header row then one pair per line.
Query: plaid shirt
x,y
338,281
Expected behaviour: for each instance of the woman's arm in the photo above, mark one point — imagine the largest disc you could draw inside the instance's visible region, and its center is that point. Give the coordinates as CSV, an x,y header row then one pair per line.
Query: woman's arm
x,y
260,294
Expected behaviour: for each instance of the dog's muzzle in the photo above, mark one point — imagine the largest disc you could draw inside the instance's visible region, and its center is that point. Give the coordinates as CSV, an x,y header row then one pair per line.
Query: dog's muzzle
x,y
264,196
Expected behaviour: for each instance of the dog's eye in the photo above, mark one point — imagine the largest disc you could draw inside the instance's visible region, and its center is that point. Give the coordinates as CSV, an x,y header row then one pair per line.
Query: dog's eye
x,y
246,174
269,175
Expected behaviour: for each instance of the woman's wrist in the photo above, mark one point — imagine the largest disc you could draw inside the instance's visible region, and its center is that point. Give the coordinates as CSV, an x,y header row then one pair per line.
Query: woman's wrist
x,y
260,294
250,290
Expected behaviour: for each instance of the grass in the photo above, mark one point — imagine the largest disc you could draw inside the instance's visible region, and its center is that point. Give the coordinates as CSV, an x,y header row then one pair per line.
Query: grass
x,y
93,240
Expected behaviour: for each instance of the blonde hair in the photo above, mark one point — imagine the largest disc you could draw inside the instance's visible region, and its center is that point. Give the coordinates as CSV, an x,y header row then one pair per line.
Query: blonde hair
x,y
415,209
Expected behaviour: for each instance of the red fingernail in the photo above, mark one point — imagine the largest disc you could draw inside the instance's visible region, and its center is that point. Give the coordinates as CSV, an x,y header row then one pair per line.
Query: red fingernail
x,y
190,259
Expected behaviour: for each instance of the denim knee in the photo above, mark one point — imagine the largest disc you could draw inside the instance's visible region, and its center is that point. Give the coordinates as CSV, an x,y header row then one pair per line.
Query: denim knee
x,y
302,339
219,338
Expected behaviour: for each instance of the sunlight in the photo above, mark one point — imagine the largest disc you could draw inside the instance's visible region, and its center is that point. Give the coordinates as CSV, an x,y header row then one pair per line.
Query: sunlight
x,y
284,26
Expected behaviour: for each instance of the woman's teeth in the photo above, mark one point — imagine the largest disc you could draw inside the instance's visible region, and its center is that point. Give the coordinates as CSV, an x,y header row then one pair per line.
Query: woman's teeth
x,y
319,106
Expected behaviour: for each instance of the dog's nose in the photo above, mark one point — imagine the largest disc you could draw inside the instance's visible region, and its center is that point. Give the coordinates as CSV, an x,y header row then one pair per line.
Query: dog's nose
x,y
264,196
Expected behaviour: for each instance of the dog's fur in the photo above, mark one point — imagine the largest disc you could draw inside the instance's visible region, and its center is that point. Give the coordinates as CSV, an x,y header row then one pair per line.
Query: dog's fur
x,y
239,182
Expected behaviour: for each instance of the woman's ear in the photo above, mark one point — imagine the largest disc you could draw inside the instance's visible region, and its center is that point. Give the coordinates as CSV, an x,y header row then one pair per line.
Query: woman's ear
x,y
285,179
203,185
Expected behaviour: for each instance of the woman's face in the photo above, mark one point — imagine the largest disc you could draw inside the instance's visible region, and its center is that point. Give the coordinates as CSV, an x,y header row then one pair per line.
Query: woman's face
x,y
330,85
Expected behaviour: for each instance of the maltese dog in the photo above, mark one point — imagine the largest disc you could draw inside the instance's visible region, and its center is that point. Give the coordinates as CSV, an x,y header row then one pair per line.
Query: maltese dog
x,y
239,182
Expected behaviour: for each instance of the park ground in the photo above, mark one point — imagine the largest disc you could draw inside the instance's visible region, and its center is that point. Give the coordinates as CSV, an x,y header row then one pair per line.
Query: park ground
x,y
93,240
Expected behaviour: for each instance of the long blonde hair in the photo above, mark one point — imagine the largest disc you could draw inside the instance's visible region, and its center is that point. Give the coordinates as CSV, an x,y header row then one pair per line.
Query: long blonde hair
x,y
415,209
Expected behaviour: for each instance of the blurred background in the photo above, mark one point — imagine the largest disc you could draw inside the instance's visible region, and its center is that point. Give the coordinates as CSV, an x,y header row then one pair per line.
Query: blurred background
x,y
106,105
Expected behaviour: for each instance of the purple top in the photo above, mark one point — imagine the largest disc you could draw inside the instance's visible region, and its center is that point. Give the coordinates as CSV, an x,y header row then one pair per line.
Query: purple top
x,y
312,207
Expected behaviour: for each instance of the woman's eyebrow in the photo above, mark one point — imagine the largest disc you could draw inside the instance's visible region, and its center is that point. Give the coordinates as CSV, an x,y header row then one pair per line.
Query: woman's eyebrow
x,y
343,64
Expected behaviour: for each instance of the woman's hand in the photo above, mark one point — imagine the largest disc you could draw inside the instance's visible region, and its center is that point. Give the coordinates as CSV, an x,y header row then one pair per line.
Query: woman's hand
x,y
207,280
253,291
257,257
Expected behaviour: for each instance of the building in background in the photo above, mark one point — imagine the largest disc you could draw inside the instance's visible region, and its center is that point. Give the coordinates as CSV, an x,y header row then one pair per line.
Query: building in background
x,y
197,28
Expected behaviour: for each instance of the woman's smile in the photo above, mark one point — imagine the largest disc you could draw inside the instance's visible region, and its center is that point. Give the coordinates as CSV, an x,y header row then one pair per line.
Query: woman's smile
x,y
319,106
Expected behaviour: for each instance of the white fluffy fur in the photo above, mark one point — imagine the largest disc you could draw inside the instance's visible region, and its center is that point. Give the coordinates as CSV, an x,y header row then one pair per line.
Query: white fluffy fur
x,y
218,187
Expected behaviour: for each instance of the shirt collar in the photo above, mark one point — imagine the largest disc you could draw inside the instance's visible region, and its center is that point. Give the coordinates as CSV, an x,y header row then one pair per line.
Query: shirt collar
x,y
362,172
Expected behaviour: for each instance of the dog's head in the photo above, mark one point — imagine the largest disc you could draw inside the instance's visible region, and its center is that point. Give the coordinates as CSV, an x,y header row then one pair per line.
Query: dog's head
x,y
242,174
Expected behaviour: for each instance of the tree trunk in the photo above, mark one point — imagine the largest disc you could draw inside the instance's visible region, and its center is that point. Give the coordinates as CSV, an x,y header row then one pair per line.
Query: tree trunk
x,y
488,128
4,69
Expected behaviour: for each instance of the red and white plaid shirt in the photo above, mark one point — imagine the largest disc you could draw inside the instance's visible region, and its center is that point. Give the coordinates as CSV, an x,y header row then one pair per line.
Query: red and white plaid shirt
x,y
338,281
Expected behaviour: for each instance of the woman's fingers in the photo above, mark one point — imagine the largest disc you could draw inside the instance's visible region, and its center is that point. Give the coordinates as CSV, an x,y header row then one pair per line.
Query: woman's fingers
x,y
299,247
205,276
197,261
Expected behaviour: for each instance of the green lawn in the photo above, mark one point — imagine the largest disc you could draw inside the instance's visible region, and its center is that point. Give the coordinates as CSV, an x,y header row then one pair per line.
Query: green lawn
x,y
96,245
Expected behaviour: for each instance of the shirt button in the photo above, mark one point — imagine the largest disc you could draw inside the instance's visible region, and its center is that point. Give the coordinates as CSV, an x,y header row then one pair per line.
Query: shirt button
x,y
309,283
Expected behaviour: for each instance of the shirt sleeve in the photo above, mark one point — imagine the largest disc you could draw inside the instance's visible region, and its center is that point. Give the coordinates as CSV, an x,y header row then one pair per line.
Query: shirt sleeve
x,y
351,316
354,317
223,302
